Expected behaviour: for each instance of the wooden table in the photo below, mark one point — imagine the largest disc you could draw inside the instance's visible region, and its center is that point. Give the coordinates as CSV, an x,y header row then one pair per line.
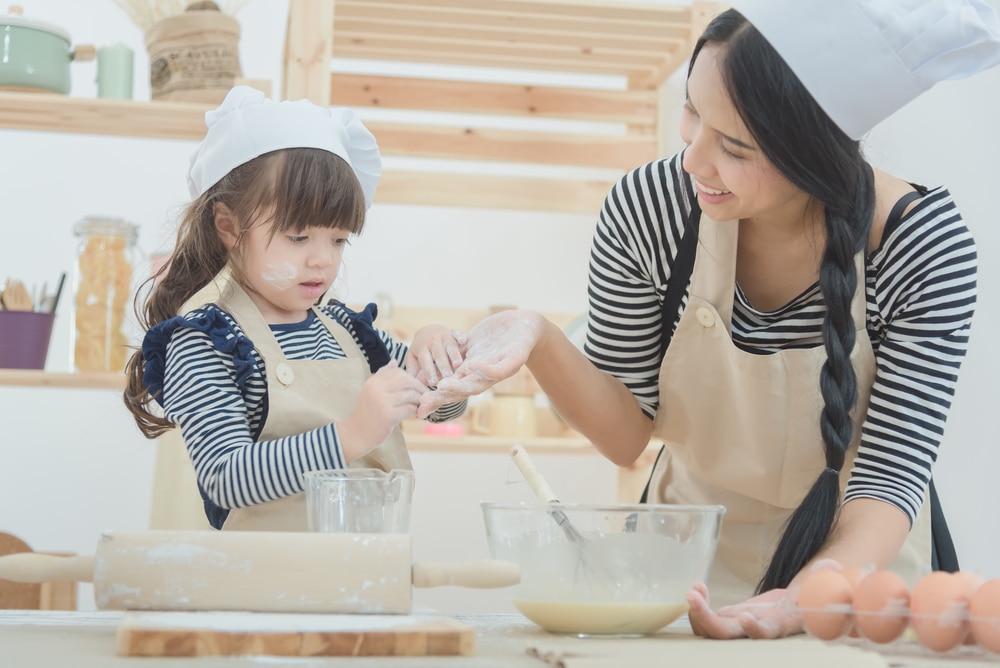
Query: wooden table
x,y
86,639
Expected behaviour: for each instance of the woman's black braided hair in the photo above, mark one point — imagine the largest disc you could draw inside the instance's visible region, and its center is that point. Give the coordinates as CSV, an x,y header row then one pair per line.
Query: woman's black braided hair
x,y
808,148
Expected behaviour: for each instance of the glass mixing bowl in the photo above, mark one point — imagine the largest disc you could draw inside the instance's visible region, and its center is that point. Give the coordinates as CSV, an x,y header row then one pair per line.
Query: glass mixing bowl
x,y
618,570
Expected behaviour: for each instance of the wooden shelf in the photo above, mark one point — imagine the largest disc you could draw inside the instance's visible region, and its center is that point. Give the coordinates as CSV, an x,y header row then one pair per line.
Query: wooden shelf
x,y
48,379
43,112
46,112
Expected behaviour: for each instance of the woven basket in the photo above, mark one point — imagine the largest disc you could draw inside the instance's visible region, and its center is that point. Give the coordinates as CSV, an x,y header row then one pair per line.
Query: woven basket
x,y
193,57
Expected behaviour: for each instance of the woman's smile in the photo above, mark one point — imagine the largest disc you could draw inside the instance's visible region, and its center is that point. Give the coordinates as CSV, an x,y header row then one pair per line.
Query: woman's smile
x,y
711,195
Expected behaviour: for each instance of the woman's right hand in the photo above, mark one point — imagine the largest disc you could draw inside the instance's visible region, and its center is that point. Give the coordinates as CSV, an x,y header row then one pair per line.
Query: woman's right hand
x,y
388,397
495,349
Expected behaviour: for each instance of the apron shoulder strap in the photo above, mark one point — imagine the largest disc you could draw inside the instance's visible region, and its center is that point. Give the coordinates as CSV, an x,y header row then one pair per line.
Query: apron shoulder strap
x,y
896,215
680,277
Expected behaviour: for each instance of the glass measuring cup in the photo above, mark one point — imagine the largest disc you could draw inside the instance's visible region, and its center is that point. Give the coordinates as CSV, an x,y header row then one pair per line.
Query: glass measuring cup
x,y
359,500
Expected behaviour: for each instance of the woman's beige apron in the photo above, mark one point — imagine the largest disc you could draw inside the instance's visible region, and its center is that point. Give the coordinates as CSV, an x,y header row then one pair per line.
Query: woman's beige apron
x,y
303,395
742,430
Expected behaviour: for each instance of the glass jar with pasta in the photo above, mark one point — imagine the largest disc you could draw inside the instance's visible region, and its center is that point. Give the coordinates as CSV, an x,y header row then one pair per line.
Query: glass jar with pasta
x,y
106,262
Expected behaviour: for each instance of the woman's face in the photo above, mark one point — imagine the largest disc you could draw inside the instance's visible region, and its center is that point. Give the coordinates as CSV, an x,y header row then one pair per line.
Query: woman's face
x,y
733,178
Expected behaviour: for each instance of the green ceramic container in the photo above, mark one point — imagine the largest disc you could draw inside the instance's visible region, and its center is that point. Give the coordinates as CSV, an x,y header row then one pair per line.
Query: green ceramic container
x,y
34,55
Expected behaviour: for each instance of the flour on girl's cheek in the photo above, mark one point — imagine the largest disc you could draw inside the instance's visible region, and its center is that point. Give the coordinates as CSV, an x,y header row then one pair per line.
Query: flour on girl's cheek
x,y
281,276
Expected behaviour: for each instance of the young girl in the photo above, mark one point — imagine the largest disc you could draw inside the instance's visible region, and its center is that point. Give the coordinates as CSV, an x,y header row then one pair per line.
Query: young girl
x,y
263,383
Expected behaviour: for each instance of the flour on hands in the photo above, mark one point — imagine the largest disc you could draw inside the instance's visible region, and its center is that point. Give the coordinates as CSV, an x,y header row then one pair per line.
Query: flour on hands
x,y
494,350
388,397
435,353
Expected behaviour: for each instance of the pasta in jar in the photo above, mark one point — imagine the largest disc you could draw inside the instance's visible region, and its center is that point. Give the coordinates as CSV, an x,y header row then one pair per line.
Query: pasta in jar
x,y
105,266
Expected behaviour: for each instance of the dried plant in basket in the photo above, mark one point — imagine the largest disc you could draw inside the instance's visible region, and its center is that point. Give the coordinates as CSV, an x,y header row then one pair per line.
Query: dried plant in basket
x,y
193,47
145,13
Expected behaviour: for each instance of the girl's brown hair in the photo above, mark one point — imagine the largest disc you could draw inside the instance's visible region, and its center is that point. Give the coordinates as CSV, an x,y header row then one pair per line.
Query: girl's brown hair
x,y
290,190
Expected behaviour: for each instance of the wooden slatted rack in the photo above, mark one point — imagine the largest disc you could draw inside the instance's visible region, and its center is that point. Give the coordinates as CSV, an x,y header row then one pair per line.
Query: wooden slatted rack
x,y
636,46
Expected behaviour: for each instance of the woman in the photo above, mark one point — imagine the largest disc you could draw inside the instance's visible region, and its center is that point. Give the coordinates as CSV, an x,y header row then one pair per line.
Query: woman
x,y
812,361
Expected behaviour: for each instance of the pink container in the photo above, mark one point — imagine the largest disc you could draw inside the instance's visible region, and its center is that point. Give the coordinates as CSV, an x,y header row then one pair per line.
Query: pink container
x,y
24,339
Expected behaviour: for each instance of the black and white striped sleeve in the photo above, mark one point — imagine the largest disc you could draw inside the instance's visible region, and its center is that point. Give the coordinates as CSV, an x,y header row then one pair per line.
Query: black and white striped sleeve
x,y
925,294
202,397
634,245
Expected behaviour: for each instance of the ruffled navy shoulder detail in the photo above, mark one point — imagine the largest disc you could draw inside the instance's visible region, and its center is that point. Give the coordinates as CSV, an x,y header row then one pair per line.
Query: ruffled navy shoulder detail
x,y
213,321
362,325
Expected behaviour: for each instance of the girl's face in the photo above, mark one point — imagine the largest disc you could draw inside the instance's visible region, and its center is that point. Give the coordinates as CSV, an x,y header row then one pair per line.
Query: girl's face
x,y
733,178
288,272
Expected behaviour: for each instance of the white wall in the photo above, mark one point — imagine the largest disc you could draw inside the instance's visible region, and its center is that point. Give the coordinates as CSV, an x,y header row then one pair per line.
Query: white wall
x,y
73,464
950,136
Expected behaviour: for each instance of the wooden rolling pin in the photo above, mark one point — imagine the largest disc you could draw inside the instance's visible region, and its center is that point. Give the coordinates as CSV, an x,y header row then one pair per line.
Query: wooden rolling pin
x,y
255,571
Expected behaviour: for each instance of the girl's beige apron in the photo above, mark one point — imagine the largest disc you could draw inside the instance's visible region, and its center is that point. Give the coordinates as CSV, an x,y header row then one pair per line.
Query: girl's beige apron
x,y
302,395
742,430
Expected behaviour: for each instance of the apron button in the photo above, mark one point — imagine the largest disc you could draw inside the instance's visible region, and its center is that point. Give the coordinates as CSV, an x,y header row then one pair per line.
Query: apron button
x,y
705,317
284,374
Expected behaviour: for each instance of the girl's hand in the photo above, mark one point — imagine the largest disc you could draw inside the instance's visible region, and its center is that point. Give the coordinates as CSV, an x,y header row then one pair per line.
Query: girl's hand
x,y
435,353
495,349
387,398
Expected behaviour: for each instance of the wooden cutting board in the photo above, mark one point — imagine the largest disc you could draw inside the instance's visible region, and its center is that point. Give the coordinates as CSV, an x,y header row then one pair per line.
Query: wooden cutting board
x,y
226,633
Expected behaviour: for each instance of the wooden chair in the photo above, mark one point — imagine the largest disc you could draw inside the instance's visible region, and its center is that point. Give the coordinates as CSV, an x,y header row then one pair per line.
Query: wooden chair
x,y
26,596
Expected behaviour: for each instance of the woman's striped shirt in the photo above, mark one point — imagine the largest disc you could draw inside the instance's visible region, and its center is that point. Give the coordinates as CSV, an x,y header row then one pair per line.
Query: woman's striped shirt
x,y
921,295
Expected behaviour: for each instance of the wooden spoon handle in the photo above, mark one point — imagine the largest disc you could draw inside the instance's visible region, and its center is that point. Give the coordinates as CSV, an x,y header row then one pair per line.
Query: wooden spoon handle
x,y
531,475
34,567
482,574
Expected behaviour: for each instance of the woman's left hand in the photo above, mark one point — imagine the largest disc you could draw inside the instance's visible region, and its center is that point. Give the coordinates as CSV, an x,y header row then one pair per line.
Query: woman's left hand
x,y
435,353
771,615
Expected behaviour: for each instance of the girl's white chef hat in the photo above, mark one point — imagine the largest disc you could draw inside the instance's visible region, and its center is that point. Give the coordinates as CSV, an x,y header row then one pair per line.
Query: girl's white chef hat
x,y
247,125
864,59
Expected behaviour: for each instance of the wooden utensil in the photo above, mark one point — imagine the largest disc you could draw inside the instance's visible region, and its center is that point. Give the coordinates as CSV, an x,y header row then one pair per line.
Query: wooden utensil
x,y
542,490
17,595
16,298
257,571
290,634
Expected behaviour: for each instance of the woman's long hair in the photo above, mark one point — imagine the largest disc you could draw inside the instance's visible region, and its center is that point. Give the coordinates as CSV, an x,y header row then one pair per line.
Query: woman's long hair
x,y
808,148
289,189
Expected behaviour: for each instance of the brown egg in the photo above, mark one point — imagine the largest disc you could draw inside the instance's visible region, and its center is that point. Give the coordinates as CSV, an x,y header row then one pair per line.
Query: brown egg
x,y
854,575
984,615
972,582
937,610
881,606
825,600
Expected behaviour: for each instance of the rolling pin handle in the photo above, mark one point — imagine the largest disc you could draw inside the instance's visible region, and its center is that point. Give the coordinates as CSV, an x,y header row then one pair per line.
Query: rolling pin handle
x,y
483,574
36,567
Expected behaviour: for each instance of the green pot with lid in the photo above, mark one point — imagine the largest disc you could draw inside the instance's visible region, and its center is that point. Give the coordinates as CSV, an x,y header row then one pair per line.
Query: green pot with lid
x,y
36,55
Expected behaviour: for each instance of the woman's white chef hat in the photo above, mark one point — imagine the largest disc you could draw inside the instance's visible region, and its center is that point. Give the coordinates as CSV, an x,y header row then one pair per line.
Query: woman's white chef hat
x,y
247,125
864,59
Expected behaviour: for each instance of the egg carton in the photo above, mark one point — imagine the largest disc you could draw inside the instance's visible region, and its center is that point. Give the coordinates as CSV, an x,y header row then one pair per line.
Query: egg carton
x,y
952,635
